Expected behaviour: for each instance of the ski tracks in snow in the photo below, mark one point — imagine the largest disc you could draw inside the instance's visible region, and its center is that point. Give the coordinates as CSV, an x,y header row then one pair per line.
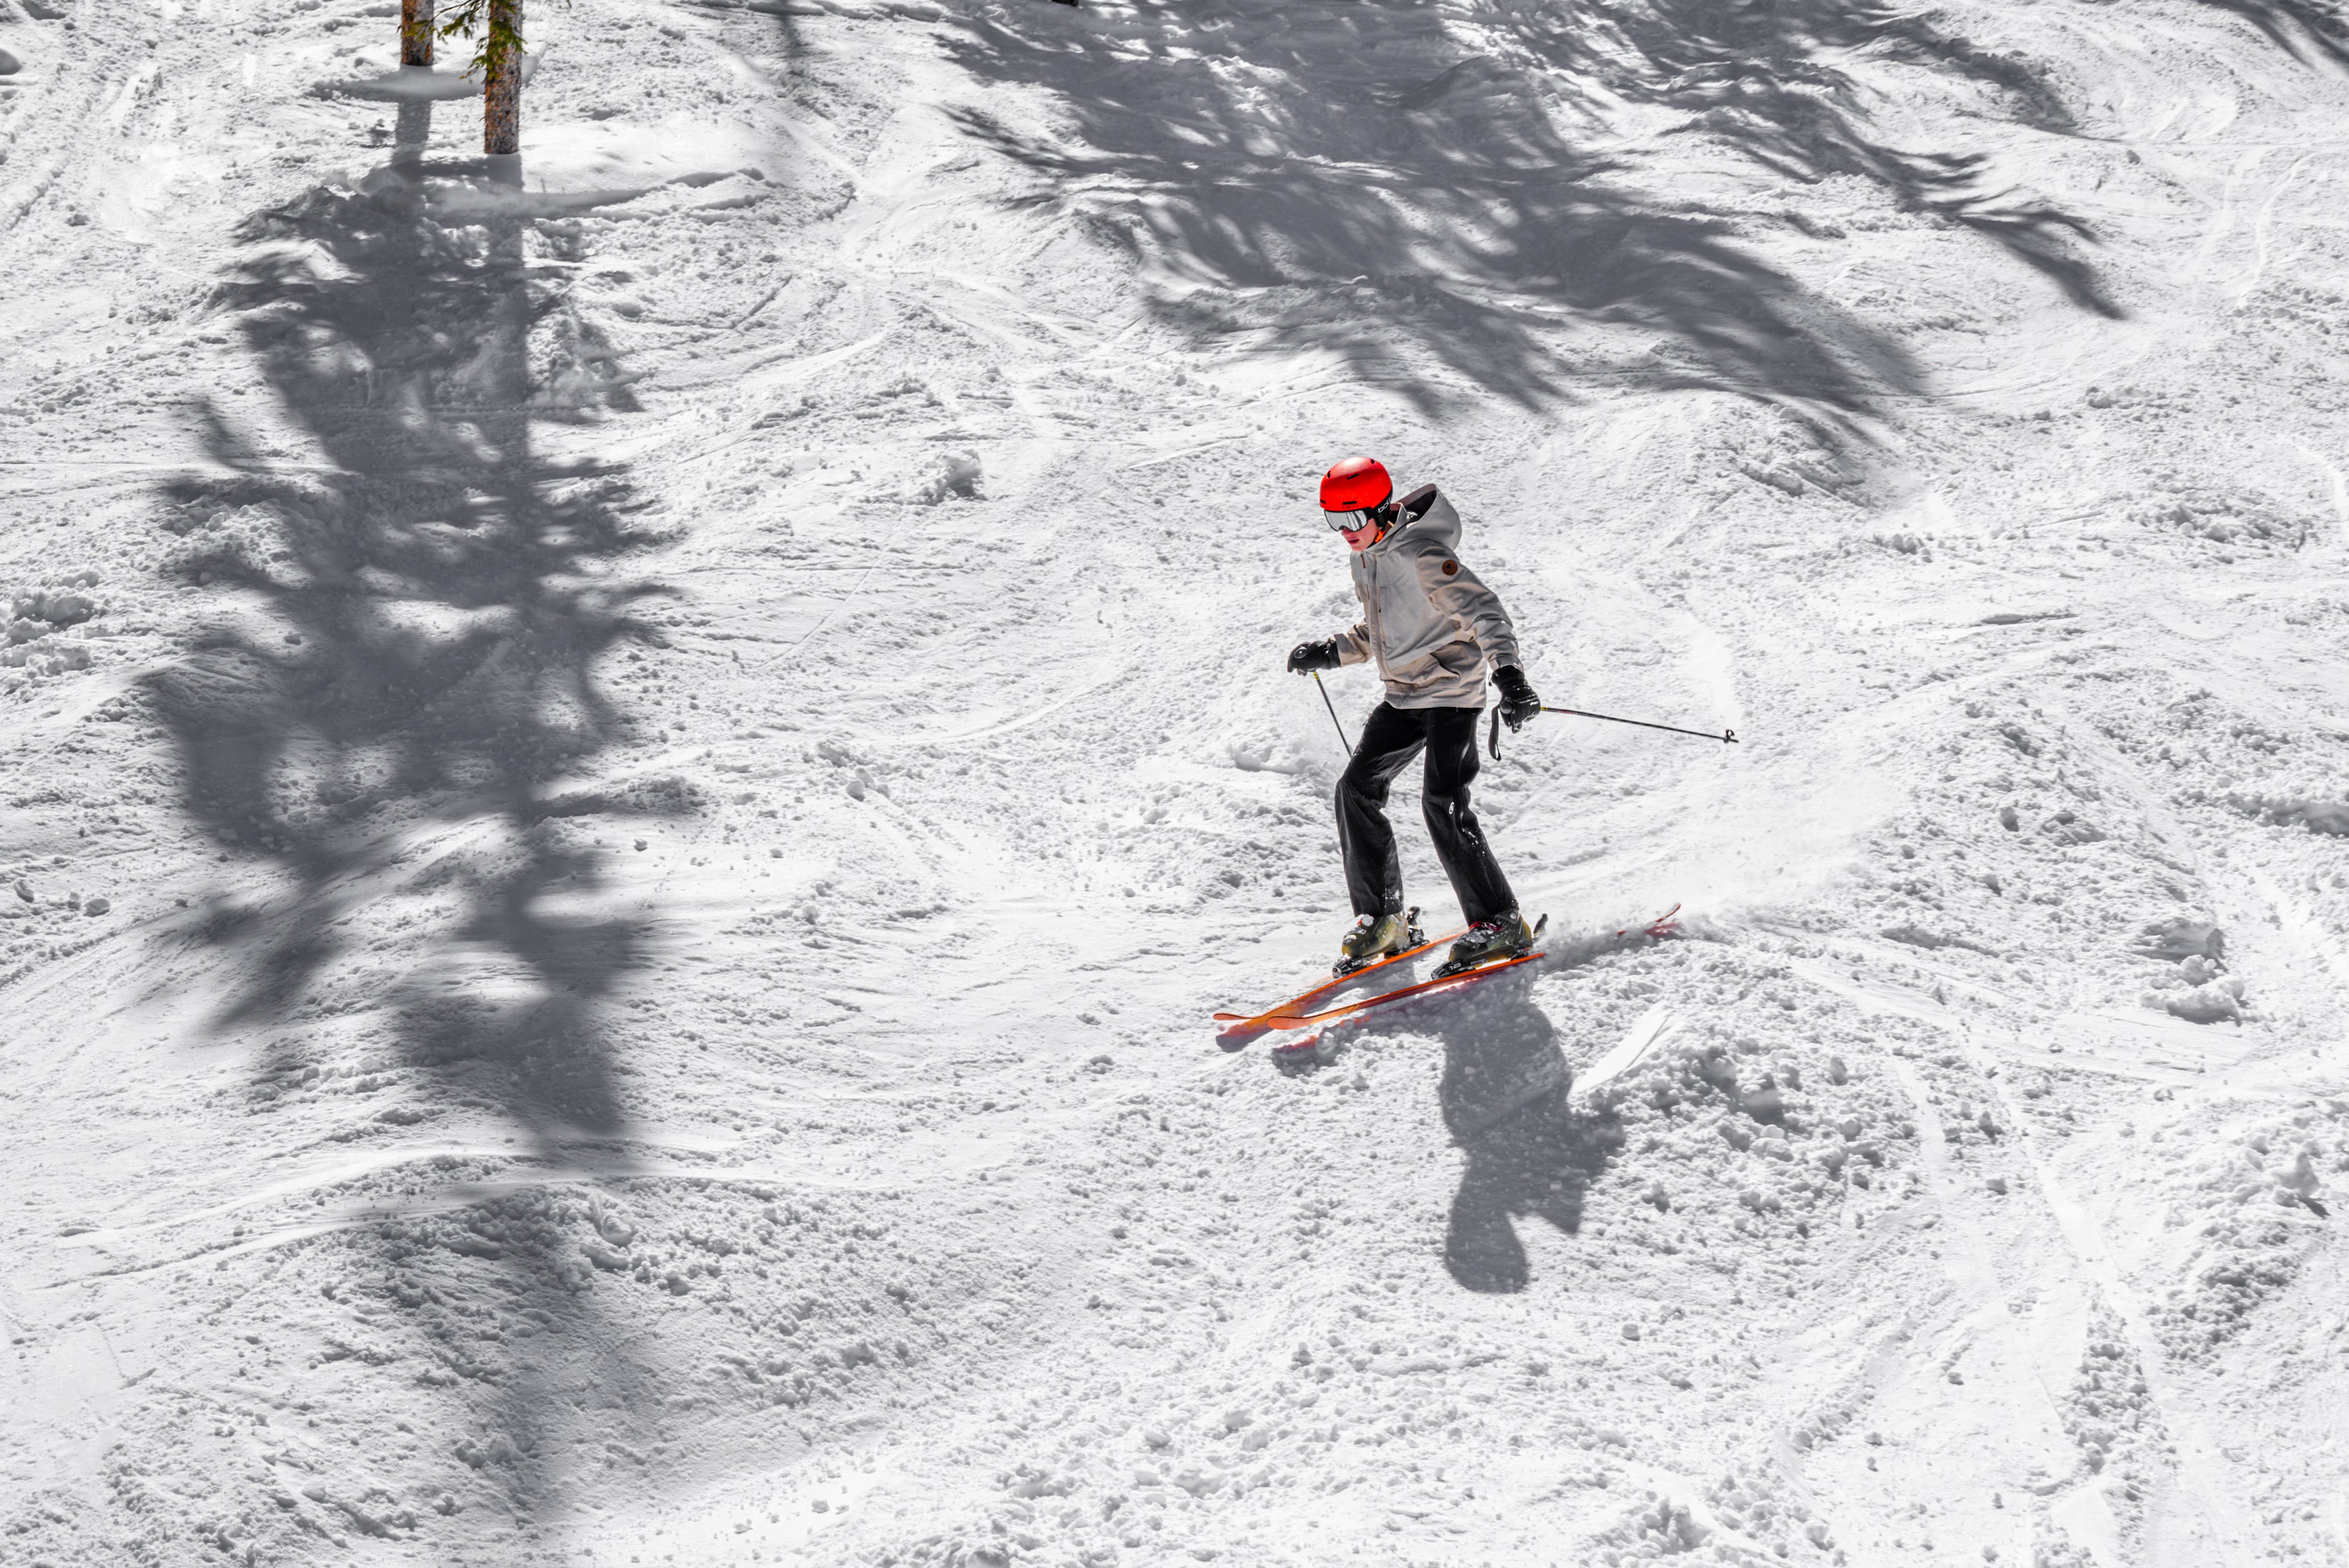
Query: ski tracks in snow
x,y
1883,1217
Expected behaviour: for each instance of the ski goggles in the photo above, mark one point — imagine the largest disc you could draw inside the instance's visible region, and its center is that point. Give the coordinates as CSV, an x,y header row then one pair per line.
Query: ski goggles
x,y
1355,522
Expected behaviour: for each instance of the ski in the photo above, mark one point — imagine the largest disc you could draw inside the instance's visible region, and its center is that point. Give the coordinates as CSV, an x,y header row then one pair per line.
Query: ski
x,y
1302,999
1657,929
1307,1020
1291,1014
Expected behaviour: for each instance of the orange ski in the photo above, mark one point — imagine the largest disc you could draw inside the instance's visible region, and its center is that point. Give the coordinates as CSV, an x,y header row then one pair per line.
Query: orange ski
x,y
1657,929
1290,1018
1304,997
1307,1020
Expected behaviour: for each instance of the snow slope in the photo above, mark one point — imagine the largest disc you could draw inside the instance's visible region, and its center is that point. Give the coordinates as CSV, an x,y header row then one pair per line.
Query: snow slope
x,y
625,795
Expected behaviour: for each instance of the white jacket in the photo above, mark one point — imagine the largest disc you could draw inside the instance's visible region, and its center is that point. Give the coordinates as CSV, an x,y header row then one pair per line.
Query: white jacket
x,y
1429,621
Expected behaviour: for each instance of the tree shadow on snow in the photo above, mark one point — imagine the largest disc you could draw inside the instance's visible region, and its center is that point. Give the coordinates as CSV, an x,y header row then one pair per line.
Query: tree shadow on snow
x,y
1506,1098
2315,32
430,602
1774,82
1434,192
387,721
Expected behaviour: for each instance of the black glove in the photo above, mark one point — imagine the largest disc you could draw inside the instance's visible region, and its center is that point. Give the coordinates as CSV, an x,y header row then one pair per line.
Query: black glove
x,y
1306,657
1518,702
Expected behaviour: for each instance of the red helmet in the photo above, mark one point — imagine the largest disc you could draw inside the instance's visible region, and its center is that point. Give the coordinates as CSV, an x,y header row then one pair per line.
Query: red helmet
x,y
1355,484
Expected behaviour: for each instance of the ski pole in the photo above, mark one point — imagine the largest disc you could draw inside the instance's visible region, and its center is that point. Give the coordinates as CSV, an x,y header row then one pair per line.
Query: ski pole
x,y
1333,714
1727,736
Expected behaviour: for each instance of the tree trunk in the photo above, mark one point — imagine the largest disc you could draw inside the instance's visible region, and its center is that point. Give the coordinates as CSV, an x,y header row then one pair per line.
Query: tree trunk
x,y
501,86
415,52
415,32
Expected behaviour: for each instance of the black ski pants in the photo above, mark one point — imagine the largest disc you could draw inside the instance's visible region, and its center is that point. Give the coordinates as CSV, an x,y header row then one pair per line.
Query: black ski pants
x,y
1373,865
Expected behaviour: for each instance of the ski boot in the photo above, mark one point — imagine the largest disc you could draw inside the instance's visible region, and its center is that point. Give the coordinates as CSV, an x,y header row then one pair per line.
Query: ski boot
x,y
1375,936
1487,941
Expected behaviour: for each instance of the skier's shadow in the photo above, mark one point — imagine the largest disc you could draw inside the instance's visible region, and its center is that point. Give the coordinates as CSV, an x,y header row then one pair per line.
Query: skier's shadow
x,y
1506,1099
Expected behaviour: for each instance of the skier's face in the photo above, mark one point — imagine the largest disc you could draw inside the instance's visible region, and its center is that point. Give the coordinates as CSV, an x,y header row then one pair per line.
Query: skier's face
x,y
1370,528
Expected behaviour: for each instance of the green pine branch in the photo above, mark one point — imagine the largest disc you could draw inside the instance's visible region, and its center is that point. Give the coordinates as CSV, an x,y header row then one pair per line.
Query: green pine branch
x,y
498,35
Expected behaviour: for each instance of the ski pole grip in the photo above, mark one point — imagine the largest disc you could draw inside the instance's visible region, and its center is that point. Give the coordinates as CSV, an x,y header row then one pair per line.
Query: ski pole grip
x,y
1494,744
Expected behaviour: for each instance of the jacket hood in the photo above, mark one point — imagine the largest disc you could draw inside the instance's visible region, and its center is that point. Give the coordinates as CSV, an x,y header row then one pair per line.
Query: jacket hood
x,y
1439,521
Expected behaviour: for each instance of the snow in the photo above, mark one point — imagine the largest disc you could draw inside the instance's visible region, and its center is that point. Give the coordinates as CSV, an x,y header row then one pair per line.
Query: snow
x,y
629,784
416,84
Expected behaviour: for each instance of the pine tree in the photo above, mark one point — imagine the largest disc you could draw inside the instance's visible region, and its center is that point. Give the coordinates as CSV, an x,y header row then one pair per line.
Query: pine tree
x,y
501,79
499,64
415,54
415,32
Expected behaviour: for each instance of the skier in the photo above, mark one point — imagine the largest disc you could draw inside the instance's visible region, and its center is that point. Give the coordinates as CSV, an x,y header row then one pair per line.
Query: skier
x,y
1432,626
